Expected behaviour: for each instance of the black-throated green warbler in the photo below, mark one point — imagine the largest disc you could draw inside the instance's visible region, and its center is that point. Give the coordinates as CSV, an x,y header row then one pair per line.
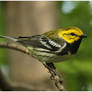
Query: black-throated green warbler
x,y
53,46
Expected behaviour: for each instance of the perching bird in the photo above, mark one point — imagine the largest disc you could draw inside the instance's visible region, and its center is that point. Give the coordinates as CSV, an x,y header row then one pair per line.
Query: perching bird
x,y
53,46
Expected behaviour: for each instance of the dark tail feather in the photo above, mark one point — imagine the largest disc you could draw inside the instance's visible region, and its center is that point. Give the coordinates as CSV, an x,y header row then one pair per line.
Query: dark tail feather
x,y
8,37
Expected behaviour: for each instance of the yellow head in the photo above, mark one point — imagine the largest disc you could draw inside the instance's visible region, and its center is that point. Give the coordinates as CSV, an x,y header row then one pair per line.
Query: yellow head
x,y
71,35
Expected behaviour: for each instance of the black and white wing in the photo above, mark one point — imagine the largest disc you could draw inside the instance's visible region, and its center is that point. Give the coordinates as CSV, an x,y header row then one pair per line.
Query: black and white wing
x,y
42,42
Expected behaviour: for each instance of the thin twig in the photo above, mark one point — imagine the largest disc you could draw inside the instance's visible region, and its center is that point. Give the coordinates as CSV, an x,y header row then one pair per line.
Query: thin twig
x,y
54,76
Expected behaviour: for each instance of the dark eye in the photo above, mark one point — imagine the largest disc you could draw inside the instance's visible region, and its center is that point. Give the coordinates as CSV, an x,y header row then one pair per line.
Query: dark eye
x,y
73,34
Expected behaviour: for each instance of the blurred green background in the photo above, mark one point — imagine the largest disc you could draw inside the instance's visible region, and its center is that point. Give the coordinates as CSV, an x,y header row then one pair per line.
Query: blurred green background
x,y
77,72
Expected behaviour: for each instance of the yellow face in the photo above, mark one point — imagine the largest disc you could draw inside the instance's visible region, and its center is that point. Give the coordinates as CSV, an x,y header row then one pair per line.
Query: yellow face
x,y
70,35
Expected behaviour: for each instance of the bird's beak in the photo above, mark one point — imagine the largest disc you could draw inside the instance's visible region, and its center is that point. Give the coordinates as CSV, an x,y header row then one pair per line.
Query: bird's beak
x,y
83,36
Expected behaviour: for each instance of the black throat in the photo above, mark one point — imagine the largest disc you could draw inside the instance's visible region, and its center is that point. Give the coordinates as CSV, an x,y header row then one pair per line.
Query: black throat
x,y
74,46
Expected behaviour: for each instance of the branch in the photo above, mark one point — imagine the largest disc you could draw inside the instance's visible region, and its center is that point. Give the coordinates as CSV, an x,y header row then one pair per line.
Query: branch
x,y
14,46
54,76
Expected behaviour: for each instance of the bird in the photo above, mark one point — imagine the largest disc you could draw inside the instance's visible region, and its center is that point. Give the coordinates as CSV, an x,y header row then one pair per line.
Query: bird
x,y
53,46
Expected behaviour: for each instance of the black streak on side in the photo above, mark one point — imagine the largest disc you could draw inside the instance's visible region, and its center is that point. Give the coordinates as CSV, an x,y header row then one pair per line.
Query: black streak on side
x,y
72,48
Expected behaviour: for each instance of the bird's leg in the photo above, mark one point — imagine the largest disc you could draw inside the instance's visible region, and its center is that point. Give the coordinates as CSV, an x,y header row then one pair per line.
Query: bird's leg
x,y
52,69
51,65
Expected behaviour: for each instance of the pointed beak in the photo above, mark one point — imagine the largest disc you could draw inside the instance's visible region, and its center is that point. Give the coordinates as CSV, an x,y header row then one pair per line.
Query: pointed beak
x,y
83,36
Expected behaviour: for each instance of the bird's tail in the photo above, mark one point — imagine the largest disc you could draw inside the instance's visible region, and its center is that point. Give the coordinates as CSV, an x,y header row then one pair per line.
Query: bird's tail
x,y
8,37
